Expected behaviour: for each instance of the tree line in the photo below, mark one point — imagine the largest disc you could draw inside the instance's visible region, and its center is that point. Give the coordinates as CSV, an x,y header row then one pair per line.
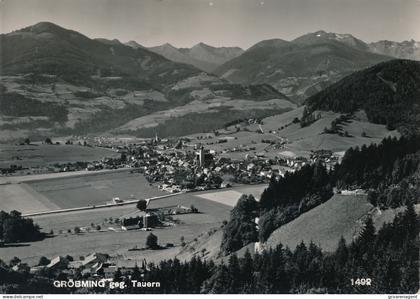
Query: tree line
x,y
14,228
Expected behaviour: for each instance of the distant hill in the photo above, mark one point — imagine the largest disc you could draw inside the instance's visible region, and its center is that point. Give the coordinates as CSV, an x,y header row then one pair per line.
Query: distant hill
x,y
405,50
202,56
389,93
302,67
172,53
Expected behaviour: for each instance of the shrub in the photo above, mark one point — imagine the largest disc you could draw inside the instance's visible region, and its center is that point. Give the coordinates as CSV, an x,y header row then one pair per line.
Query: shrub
x,y
141,205
152,241
43,261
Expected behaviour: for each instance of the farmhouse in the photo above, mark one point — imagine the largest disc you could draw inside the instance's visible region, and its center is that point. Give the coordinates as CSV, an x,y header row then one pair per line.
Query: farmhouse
x,y
145,221
58,262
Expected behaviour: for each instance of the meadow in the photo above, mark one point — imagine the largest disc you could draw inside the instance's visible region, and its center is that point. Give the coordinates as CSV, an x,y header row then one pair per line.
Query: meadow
x,y
95,189
63,192
34,155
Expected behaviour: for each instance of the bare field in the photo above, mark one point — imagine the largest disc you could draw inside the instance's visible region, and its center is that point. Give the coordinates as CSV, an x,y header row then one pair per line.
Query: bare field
x,y
231,197
22,198
42,154
255,190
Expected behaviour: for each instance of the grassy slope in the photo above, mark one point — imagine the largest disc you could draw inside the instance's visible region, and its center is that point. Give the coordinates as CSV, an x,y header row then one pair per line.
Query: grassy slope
x,y
207,241
324,225
311,138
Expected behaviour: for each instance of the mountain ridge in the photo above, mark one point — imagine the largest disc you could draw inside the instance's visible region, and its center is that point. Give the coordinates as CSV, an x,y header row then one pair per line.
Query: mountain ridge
x,y
49,48
404,50
301,67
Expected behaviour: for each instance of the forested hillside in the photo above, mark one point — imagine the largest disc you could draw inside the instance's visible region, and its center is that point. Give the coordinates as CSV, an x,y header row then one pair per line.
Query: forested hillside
x,y
389,93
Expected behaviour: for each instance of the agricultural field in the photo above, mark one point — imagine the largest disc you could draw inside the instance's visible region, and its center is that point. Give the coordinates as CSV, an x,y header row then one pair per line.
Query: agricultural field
x,y
38,193
35,155
118,242
95,189
91,188
229,197
21,197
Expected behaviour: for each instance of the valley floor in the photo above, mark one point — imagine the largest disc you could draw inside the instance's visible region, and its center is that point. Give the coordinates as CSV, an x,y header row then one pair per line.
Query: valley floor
x,y
110,240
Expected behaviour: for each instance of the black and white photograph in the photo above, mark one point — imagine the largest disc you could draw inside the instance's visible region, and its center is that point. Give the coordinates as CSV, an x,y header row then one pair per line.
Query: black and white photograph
x,y
209,147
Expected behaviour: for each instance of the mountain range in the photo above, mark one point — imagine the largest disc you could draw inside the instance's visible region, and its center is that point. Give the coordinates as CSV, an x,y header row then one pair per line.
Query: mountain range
x,y
202,56
405,50
51,49
303,66
58,81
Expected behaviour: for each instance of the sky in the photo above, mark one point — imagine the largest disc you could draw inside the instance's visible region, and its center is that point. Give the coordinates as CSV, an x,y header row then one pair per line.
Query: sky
x,y
184,23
